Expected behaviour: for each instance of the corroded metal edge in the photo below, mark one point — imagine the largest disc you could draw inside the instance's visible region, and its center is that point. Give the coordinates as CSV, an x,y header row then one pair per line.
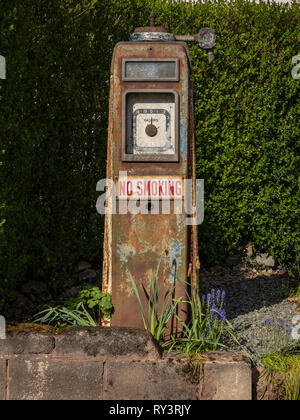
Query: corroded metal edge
x,y
152,36
107,246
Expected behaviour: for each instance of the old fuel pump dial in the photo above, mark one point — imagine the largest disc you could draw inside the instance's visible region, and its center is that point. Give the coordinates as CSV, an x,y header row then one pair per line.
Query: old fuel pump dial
x,y
151,129
151,126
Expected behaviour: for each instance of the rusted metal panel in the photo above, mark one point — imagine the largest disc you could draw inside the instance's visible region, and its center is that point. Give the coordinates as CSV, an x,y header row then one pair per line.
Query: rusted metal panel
x,y
140,242
136,243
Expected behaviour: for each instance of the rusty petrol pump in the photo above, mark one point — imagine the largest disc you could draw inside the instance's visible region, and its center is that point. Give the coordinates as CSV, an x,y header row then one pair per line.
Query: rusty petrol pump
x,y
151,152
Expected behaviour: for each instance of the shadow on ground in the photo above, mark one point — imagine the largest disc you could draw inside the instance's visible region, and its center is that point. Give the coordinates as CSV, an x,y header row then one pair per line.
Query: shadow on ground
x,y
245,294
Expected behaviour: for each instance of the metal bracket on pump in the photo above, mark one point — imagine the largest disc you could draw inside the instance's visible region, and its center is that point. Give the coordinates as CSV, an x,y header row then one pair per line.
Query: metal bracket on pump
x,y
205,38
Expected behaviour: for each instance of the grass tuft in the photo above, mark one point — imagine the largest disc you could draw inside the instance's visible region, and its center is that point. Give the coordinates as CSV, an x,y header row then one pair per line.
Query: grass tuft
x,y
287,364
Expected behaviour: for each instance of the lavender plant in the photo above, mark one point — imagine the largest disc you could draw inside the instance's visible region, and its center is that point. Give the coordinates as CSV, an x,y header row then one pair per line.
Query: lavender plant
x,y
274,336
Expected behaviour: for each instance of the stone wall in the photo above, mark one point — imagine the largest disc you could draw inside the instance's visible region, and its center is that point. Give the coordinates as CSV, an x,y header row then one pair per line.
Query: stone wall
x,y
112,364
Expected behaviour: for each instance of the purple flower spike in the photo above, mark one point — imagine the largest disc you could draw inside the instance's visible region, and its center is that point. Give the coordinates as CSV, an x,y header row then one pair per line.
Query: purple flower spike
x,y
212,313
223,315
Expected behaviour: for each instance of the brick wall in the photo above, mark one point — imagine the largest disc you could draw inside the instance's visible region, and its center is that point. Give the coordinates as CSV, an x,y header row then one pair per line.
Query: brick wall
x,y
112,364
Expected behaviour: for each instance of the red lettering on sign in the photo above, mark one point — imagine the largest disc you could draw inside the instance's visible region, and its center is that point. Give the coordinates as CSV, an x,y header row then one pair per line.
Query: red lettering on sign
x,y
129,188
160,188
154,188
139,188
171,188
122,188
178,188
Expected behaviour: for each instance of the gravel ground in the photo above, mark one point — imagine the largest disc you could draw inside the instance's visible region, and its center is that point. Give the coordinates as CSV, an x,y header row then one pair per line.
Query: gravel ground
x,y
257,308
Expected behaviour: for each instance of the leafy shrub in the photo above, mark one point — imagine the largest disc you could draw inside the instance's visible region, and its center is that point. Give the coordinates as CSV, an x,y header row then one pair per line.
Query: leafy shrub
x,y
86,309
53,122
95,301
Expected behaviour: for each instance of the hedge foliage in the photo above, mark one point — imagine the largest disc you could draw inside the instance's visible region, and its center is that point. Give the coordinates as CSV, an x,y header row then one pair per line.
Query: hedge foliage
x,y
54,107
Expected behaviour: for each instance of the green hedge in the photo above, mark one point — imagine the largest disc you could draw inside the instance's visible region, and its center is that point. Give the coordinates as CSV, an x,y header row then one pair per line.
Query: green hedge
x,y
53,122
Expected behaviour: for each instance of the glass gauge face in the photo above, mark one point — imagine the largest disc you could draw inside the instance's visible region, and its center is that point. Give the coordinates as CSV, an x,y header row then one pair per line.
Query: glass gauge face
x,y
157,70
207,38
150,123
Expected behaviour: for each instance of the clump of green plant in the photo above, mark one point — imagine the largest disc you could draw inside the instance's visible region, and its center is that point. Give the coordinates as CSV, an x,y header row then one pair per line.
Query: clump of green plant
x,y
97,302
207,328
287,364
86,309
61,316
154,320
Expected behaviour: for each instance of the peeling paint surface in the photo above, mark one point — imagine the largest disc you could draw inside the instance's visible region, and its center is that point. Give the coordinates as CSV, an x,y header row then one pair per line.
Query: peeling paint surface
x,y
125,251
39,371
